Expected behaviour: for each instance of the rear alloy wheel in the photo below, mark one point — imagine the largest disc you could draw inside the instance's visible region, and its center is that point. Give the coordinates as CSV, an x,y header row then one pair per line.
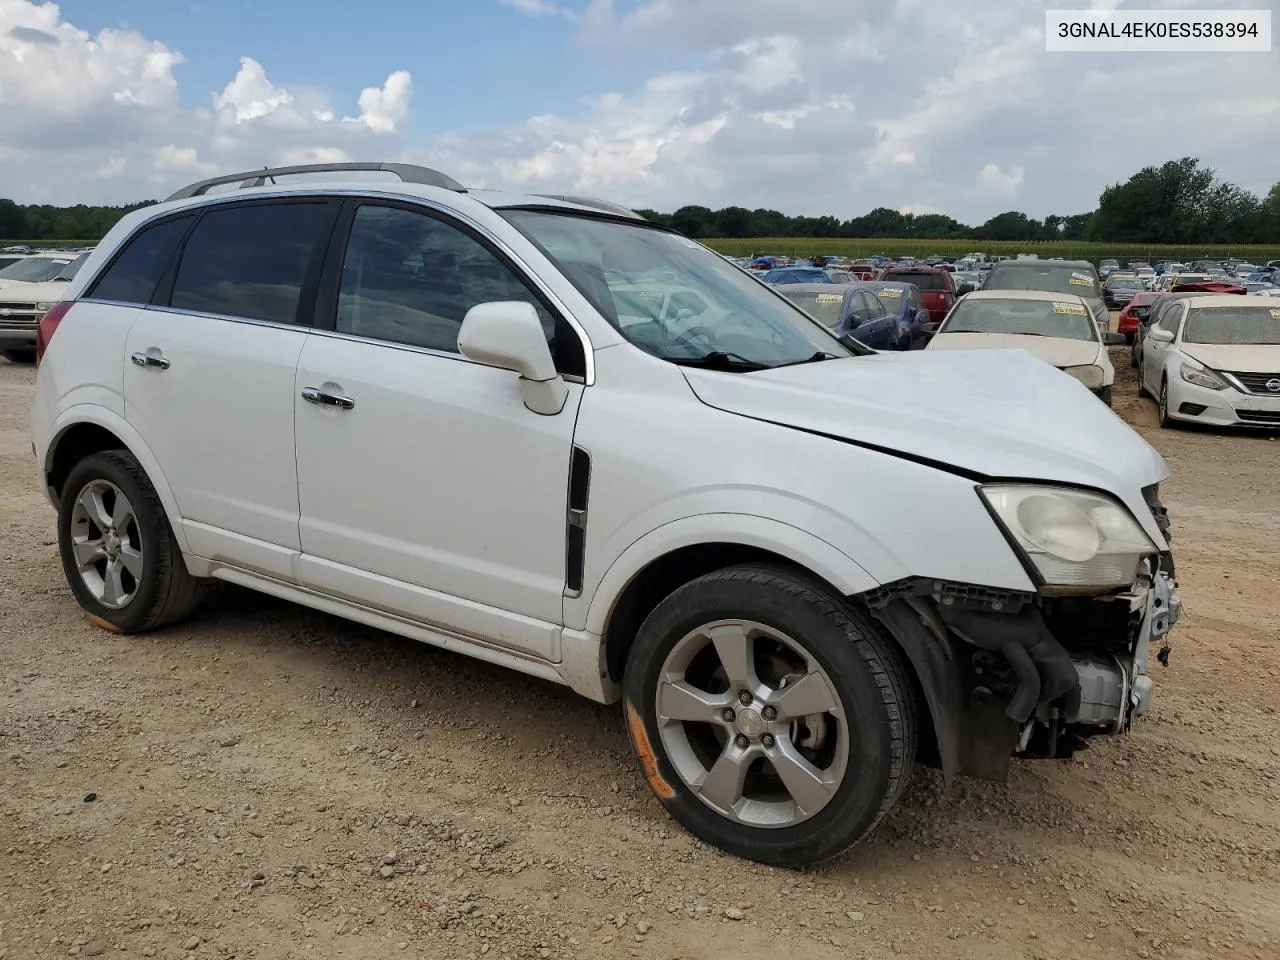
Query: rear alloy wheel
x,y
118,553
773,720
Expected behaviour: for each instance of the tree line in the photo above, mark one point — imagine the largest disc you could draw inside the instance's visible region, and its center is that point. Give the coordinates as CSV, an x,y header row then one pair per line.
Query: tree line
x,y
1180,202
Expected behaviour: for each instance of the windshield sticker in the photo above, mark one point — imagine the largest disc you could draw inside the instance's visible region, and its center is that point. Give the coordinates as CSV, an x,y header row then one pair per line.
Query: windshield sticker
x,y
1275,314
648,296
829,298
1070,309
888,293
1080,281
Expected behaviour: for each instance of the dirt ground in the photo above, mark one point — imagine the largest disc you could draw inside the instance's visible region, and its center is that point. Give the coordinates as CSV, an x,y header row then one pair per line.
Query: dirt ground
x,y
267,782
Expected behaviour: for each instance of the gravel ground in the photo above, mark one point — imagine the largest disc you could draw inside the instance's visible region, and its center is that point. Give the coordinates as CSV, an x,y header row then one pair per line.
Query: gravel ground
x,y
263,781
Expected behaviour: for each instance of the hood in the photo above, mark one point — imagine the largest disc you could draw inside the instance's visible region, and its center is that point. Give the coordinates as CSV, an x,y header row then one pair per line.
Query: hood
x,y
997,414
1235,357
21,290
1055,351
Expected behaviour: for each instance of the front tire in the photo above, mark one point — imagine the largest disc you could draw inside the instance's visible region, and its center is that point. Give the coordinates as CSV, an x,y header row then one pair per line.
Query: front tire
x,y
118,552
772,719
1104,394
1162,404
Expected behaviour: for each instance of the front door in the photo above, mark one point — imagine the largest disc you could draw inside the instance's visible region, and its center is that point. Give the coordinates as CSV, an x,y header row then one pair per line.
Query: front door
x,y
1154,351
428,490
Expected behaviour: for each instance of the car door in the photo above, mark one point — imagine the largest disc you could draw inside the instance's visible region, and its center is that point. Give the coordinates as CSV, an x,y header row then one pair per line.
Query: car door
x,y
879,325
1155,352
209,376
427,489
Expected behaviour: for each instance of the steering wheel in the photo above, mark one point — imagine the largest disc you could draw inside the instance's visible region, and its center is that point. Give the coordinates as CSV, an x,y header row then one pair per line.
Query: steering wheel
x,y
697,330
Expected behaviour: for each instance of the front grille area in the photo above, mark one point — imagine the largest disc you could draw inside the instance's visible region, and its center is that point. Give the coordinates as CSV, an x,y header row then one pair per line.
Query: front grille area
x,y
1259,416
18,307
1257,382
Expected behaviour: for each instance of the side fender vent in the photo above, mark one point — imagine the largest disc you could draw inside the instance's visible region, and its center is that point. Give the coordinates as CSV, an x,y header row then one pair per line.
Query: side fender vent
x,y
576,520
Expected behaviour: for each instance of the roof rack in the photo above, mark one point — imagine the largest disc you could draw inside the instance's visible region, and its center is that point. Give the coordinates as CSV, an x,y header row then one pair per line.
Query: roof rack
x,y
407,172
602,205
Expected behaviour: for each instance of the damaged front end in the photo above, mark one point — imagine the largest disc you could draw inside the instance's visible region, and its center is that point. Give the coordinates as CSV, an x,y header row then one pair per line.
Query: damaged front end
x,y
1017,674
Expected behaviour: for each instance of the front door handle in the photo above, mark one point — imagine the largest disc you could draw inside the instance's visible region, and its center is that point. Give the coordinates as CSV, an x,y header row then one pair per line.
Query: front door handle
x,y
316,395
156,360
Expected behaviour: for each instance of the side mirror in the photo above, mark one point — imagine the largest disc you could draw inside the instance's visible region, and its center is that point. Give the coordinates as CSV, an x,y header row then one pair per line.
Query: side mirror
x,y
1113,339
927,330
508,334
1160,335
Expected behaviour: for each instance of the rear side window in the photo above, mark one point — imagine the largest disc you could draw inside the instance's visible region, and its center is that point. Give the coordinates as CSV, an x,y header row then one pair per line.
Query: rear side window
x,y
923,281
250,261
133,275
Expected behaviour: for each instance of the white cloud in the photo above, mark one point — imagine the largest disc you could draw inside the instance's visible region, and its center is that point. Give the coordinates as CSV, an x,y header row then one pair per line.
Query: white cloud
x,y
114,167
769,62
314,155
995,183
172,158
533,8
383,108
250,95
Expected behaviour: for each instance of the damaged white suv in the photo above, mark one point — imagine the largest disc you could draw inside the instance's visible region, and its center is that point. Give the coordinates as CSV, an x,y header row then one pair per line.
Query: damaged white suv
x,y
551,435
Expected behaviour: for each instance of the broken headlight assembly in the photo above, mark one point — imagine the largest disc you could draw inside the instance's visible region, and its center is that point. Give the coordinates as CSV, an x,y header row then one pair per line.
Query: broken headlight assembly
x,y
1076,540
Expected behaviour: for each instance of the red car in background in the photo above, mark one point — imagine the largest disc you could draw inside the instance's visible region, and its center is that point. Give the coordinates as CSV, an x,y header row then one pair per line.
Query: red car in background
x,y
937,288
1136,311
863,271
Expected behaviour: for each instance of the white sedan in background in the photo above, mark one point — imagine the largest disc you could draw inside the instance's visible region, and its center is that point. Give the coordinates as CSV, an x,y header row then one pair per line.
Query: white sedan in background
x,y
1057,328
1215,360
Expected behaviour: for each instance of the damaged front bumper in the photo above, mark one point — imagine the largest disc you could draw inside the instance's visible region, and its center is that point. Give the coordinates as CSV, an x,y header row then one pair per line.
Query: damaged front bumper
x,y
1009,674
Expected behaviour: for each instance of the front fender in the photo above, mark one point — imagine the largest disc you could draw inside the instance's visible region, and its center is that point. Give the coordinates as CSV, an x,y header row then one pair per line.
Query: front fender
x,y
791,542
133,442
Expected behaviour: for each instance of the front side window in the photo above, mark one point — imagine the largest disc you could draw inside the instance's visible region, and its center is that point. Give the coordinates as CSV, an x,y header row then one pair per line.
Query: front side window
x,y
409,278
250,261
672,297
827,307
1031,318
133,275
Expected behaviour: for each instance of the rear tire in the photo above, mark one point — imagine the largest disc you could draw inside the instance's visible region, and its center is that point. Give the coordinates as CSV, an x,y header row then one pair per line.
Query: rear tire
x,y
19,355
1105,395
120,557
854,735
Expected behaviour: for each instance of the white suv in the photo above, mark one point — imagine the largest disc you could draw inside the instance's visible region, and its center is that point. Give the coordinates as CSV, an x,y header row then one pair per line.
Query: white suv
x,y
551,435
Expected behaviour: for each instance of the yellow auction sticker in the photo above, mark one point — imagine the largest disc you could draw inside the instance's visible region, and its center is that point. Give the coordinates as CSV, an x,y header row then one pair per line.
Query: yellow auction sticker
x,y
1080,281
1275,314
888,293
1071,309
829,298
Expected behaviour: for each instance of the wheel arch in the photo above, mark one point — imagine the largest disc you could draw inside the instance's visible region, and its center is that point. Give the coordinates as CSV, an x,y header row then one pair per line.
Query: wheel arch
x,y
85,430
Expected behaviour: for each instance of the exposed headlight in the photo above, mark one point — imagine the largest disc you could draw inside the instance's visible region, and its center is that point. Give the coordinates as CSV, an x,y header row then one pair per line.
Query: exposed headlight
x,y
1077,540
42,307
1089,374
1201,377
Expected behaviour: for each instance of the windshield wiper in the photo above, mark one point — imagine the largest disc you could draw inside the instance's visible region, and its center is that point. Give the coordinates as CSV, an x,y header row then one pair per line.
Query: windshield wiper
x,y
816,358
719,360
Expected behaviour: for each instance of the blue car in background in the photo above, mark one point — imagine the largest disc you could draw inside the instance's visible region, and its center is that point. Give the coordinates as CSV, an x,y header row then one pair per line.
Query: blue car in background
x,y
787,275
849,310
904,303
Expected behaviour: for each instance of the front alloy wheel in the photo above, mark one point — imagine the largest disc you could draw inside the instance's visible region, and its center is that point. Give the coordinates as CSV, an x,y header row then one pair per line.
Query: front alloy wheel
x,y
771,717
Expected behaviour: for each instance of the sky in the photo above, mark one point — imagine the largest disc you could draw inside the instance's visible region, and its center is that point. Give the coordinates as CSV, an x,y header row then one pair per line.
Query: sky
x,y
832,108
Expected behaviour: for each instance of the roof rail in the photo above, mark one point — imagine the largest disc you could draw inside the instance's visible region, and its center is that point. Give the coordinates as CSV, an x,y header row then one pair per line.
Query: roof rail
x,y
602,205
407,172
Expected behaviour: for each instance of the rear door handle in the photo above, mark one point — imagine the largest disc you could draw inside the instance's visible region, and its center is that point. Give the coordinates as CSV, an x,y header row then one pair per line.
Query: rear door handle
x,y
149,359
316,395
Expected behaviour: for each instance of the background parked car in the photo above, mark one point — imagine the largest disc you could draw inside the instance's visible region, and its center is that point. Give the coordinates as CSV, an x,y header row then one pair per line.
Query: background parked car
x,y
1134,311
848,310
1118,291
905,302
786,275
937,289
1074,277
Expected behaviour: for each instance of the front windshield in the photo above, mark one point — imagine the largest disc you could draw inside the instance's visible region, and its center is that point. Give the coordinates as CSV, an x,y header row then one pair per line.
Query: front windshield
x,y
1126,285
672,297
69,271
1033,318
34,269
1260,325
827,307
1048,277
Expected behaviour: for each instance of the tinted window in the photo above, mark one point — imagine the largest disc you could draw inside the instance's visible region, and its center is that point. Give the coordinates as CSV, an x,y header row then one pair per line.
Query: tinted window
x,y
133,276
250,261
924,281
409,278
874,305
1048,277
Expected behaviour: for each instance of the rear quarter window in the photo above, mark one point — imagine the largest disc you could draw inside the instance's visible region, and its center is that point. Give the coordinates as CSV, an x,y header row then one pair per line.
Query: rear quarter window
x,y
132,276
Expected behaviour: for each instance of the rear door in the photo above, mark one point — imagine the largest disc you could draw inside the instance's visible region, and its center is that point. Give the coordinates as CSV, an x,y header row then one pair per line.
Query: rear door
x,y
209,375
